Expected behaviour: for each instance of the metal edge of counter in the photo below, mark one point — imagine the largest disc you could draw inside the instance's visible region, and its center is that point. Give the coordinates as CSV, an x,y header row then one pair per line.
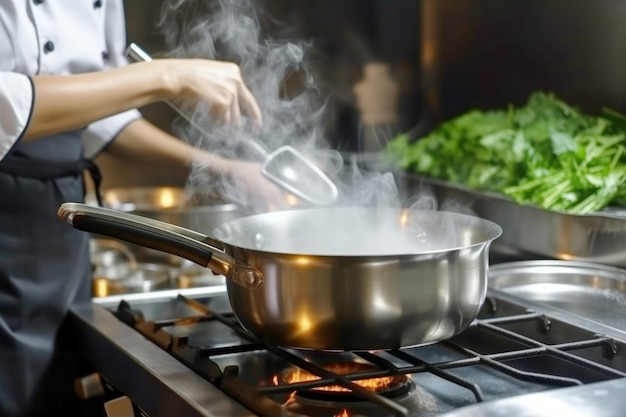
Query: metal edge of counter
x,y
596,237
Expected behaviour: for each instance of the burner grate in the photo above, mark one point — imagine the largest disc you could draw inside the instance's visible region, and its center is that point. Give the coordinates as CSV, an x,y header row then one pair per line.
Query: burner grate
x,y
588,359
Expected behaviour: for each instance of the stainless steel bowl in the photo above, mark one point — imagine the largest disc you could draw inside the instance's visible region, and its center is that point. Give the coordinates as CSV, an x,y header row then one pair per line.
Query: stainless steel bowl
x,y
111,258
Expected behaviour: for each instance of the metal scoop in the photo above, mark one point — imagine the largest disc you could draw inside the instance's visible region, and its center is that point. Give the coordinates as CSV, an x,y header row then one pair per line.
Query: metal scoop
x,y
285,166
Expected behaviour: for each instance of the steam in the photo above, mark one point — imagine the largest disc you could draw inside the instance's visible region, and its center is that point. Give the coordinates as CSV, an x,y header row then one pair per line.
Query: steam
x,y
279,74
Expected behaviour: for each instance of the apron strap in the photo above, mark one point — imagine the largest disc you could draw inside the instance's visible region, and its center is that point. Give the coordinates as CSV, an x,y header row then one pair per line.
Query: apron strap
x,y
48,170
96,177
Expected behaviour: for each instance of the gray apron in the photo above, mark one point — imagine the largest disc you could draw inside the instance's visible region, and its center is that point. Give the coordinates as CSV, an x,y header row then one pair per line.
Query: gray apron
x,y
44,263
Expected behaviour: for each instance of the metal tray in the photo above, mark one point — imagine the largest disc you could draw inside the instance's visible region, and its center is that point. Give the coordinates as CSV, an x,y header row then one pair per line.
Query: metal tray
x,y
530,232
594,292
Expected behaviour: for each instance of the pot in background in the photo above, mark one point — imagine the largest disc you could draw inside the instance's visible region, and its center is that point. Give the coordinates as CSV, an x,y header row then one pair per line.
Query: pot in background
x,y
173,205
170,204
146,277
111,258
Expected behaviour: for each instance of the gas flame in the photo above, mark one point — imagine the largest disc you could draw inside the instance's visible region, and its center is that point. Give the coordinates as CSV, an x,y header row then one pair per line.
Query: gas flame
x,y
291,400
344,413
295,375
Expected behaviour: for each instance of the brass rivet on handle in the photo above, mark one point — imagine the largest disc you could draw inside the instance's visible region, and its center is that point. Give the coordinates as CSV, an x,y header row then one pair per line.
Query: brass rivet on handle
x,y
253,279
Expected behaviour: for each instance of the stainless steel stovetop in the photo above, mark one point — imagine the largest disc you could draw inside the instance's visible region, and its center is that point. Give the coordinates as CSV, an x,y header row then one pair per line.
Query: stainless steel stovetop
x,y
181,352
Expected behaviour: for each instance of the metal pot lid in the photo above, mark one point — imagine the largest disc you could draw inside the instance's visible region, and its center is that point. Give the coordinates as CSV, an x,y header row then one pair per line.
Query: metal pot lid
x,y
593,291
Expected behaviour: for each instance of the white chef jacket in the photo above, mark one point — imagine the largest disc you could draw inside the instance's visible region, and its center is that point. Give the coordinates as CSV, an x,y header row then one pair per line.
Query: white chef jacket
x,y
57,37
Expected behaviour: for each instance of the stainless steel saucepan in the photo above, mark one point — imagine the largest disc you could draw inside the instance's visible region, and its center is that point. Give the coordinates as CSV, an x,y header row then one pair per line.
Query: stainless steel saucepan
x,y
336,279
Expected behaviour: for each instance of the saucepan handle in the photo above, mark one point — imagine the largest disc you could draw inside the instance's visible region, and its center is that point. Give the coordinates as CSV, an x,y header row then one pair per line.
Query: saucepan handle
x,y
162,236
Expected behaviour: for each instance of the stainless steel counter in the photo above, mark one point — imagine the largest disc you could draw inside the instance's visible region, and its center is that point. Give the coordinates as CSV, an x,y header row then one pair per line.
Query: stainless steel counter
x,y
162,386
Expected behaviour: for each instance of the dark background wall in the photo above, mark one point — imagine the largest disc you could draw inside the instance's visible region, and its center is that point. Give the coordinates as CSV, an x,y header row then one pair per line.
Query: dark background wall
x,y
344,35
446,55
493,52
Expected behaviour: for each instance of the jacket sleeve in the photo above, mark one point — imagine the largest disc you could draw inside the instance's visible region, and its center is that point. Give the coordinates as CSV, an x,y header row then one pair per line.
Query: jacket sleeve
x,y
16,107
100,133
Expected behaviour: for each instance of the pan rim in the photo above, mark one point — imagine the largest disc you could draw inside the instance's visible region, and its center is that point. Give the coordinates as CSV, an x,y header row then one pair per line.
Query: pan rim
x,y
492,231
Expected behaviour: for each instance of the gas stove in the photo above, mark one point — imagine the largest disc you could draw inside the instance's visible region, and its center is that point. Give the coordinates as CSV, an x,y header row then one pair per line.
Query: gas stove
x,y
182,352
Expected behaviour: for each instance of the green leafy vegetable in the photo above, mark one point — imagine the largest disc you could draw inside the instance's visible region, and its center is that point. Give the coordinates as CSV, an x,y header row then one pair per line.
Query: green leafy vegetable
x,y
545,153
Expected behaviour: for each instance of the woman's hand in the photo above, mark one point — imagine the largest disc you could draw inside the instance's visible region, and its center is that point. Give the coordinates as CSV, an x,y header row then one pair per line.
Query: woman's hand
x,y
142,144
242,182
216,84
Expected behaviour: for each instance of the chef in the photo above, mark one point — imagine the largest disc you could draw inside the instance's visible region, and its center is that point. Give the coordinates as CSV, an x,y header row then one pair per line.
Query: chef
x,y
67,94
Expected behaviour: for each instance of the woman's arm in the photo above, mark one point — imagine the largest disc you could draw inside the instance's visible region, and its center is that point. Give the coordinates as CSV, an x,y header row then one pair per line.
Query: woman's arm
x,y
145,145
65,102
73,101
